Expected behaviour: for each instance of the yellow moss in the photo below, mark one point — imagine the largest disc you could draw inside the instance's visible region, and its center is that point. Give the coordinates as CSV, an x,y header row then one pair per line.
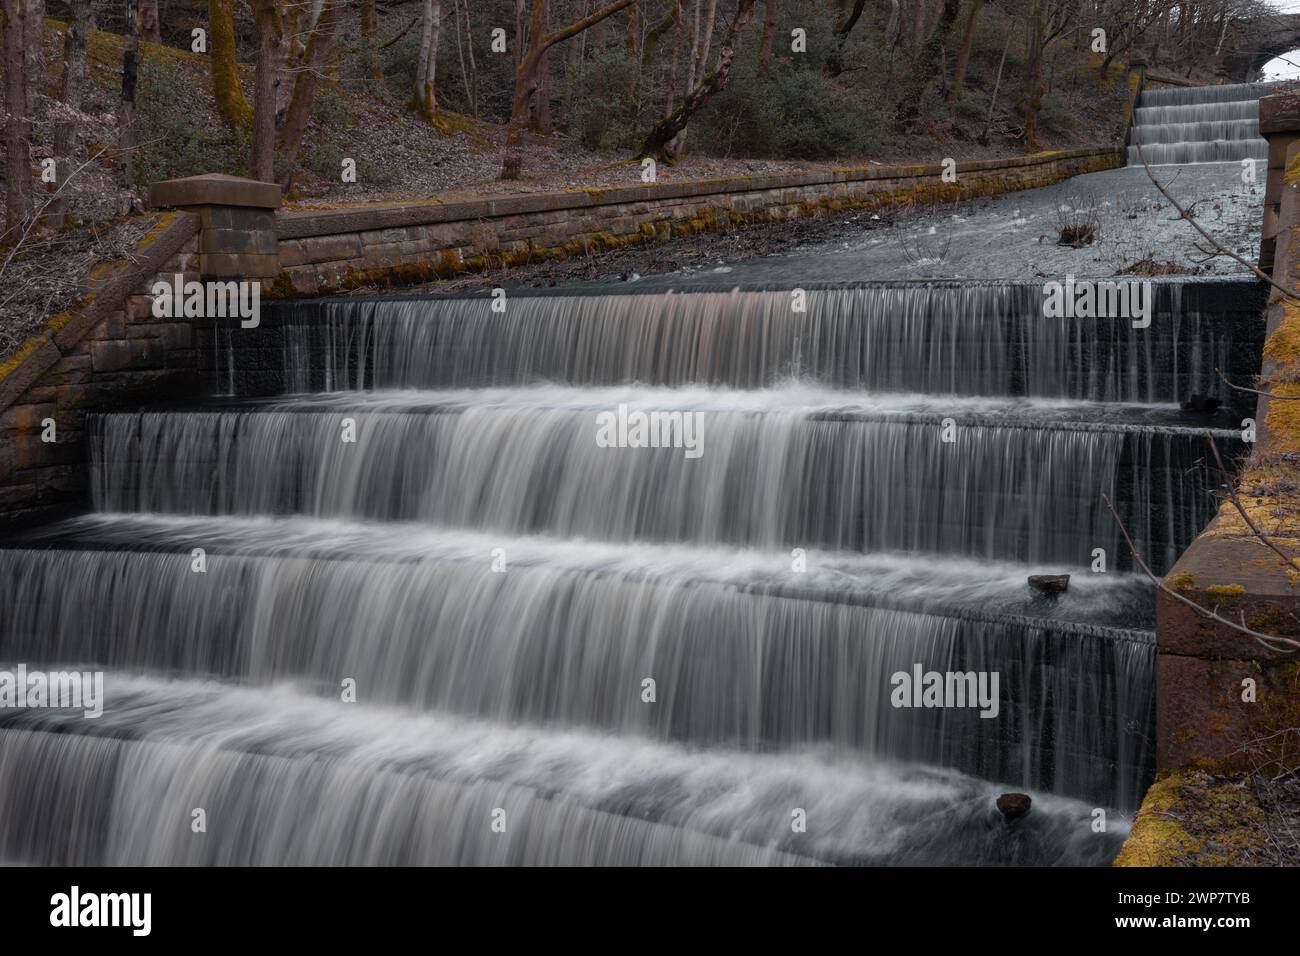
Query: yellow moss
x,y
1284,344
27,348
1183,803
1283,418
1225,590
1183,581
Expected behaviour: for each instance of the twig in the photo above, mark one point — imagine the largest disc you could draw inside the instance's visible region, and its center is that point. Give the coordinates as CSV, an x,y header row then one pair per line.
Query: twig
x,y
403,32
1184,214
1268,641
1256,391
1241,509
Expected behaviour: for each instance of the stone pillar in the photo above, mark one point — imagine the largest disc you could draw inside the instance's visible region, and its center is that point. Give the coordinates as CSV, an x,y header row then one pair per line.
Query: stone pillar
x,y
1279,123
237,221
1137,78
1204,716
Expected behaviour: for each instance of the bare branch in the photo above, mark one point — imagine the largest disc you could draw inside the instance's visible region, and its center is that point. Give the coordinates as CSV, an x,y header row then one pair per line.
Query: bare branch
x,y
1186,214
1257,391
1241,509
1268,641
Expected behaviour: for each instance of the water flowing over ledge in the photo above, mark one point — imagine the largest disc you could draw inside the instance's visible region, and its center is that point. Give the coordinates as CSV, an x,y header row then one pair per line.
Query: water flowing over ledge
x,y
299,780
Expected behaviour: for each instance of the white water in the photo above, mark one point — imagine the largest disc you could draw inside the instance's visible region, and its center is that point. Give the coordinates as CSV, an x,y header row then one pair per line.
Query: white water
x,y
500,588
390,787
1203,124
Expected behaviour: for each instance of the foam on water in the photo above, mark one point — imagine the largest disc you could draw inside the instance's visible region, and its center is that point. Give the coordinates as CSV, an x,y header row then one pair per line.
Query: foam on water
x,y
298,780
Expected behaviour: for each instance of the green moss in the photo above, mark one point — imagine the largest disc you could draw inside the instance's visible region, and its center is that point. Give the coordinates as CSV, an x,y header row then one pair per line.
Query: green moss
x,y
1190,818
1225,590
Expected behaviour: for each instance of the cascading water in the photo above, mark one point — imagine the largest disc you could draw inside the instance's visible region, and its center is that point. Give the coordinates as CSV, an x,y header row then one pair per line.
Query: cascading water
x,y
1201,124
640,654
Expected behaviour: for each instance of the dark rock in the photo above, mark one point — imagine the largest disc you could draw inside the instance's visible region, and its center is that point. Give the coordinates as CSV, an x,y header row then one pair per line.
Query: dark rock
x,y
1013,806
1200,404
1049,583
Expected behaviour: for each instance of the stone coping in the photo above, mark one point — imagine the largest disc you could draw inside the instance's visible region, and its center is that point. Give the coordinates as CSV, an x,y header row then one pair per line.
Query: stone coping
x,y
307,223
111,286
214,189
1279,113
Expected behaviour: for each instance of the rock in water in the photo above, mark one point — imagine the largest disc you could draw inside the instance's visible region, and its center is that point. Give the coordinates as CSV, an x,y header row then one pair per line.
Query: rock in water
x,y
1049,583
1013,806
1202,404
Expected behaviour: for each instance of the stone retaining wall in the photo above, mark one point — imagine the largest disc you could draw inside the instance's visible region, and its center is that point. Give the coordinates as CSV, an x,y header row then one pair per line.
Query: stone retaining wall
x,y
335,250
107,351
1227,704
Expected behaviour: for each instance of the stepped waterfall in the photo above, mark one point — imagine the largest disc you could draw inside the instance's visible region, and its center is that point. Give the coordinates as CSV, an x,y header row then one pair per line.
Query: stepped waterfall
x,y
1199,124
386,585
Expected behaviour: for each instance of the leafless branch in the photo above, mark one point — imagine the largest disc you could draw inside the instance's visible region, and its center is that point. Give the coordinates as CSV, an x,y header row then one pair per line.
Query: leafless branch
x,y
1186,214
1233,497
1256,391
1268,641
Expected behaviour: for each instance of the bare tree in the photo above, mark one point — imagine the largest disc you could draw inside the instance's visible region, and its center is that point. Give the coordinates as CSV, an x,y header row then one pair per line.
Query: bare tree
x,y
963,52
17,168
527,74
659,142
150,26
769,28
229,95
126,105
270,34
304,90
927,64
1047,20
70,89
427,65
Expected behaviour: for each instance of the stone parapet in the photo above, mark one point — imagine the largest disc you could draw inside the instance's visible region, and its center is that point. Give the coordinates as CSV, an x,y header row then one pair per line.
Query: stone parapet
x,y
332,250
238,238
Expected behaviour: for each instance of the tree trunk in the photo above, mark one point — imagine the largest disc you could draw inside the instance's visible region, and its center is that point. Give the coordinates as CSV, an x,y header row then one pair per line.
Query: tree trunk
x,y
426,100
572,67
918,27
150,27
369,39
926,66
304,92
997,85
670,93
963,53
269,37
1037,29
699,63
527,75
473,67
17,164
658,143
126,106
769,31
70,88
229,95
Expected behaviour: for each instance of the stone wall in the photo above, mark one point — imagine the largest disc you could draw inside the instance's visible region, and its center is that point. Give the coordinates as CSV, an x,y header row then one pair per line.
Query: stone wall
x,y
110,352
335,250
1227,702
107,351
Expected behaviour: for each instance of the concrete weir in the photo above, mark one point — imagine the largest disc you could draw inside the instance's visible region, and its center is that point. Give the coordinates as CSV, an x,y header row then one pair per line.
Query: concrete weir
x,y
877,587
